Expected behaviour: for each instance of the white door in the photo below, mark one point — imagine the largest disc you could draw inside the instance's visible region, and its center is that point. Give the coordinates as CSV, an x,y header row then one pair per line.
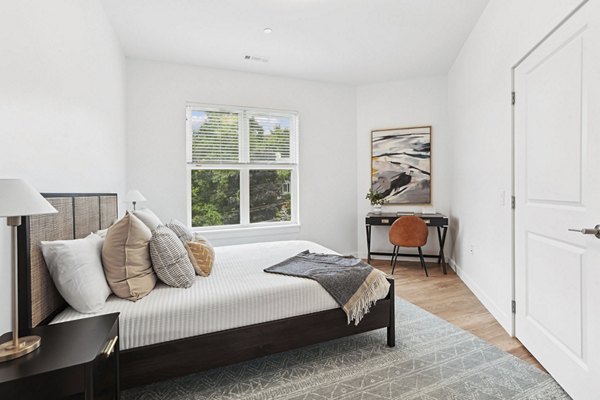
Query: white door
x,y
557,187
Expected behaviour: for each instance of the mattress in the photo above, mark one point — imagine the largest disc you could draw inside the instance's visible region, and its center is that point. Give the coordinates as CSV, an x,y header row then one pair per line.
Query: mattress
x,y
237,293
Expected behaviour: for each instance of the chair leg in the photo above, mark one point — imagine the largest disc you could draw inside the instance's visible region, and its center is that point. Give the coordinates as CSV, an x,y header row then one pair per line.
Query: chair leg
x,y
395,258
393,253
423,262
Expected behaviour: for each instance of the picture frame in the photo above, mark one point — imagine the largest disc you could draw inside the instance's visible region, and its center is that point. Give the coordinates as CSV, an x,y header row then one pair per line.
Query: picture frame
x,y
401,164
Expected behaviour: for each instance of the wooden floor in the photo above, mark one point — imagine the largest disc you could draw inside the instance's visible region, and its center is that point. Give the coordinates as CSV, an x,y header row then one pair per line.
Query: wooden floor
x,y
449,298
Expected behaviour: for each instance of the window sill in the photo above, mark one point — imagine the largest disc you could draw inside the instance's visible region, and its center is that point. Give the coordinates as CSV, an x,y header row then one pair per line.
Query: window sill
x,y
246,232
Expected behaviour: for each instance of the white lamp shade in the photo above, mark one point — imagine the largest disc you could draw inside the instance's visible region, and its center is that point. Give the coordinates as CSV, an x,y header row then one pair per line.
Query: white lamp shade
x,y
134,195
18,199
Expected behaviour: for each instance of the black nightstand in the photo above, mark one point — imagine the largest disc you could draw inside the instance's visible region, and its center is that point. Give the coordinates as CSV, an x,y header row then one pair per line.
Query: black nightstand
x,y
76,359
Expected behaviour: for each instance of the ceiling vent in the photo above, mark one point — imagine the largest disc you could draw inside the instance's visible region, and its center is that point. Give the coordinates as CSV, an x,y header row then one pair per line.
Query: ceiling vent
x,y
256,58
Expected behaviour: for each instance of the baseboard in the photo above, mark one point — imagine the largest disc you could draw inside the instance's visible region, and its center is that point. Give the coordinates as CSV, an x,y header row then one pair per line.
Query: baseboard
x,y
504,319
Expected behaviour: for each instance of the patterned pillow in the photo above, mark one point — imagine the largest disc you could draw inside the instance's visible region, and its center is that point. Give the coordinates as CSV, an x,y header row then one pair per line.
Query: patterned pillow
x,y
183,232
170,259
202,256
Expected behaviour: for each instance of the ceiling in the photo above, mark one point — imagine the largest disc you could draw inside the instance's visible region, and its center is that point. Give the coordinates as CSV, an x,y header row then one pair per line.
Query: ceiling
x,y
344,41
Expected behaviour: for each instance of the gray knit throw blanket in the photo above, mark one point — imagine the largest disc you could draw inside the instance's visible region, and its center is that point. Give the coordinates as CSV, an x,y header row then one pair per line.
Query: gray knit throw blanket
x,y
354,284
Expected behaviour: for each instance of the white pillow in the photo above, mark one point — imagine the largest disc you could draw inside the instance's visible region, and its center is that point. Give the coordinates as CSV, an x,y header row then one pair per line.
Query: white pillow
x,y
76,269
149,219
102,233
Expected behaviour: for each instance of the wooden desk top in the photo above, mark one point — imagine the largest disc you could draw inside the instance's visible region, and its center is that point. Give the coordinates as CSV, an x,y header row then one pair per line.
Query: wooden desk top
x,y
402,214
388,218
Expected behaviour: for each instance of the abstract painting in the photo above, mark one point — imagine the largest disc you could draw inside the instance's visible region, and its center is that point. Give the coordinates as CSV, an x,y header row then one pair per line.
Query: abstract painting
x,y
401,164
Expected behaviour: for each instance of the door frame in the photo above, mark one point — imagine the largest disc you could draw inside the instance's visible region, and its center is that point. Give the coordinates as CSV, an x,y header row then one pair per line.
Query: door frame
x,y
512,155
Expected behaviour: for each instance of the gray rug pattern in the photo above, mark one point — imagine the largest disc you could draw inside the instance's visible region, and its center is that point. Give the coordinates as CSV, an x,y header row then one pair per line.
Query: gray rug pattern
x,y
432,360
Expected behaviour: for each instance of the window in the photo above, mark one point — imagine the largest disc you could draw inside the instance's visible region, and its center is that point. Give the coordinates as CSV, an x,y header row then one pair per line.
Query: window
x,y
242,167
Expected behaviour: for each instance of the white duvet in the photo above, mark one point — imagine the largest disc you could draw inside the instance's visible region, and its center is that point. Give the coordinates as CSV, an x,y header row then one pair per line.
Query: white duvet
x,y
237,293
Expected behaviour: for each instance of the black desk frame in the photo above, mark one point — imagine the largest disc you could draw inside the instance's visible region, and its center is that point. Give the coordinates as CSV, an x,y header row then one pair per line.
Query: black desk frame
x,y
439,221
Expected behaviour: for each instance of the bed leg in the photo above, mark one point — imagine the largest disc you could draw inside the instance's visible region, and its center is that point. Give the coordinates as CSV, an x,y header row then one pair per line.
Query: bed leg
x,y
391,329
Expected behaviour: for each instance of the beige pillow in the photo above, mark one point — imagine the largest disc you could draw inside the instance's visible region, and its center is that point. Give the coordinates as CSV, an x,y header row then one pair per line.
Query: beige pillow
x,y
202,256
126,258
150,219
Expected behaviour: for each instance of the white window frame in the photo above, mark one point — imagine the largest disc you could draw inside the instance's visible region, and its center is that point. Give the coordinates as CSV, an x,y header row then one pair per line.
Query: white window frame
x,y
244,166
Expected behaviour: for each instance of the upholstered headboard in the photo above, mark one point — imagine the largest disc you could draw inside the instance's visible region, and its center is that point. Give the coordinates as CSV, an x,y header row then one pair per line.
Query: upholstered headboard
x,y
78,215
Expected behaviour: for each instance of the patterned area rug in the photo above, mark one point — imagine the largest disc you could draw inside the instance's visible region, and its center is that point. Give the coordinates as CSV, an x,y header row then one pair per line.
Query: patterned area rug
x,y
432,360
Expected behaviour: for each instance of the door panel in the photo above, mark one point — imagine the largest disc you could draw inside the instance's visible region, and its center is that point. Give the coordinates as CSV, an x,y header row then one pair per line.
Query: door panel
x,y
554,292
557,187
553,108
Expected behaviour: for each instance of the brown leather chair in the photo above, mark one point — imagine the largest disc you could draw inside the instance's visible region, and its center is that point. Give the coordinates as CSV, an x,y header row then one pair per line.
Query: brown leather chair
x,y
408,231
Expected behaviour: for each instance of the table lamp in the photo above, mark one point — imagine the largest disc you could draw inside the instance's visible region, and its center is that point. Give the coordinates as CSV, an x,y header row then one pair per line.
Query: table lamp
x,y
18,199
133,196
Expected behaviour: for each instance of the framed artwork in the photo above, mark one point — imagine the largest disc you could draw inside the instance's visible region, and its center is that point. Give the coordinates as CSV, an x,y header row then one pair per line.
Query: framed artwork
x,y
401,164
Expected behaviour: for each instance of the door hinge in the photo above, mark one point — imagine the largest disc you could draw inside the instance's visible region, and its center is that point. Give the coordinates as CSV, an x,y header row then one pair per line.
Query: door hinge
x,y
513,98
514,307
513,202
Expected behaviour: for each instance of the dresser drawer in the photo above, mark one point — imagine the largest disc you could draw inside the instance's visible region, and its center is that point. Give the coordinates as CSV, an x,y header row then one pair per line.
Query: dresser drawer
x,y
380,220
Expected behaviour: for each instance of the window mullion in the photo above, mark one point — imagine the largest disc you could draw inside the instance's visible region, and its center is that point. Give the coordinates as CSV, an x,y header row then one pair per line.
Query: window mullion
x,y
295,193
189,134
244,196
243,135
244,174
294,148
188,196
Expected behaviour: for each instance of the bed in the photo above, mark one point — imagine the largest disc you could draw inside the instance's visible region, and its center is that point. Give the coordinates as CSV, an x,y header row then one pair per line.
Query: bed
x,y
236,314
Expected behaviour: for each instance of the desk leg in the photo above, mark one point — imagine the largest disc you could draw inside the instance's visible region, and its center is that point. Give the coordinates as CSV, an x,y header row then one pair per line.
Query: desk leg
x,y
442,240
439,235
368,227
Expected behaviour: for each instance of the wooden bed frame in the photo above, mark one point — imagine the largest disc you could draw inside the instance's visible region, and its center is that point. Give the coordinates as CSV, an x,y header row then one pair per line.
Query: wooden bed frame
x,y
82,213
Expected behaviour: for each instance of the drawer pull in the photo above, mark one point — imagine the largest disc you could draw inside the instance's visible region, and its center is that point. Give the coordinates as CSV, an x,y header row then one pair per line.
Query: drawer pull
x,y
110,347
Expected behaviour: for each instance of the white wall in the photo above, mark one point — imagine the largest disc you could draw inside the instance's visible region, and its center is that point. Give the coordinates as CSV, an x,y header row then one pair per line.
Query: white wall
x,y
414,102
61,105
479,87
157,94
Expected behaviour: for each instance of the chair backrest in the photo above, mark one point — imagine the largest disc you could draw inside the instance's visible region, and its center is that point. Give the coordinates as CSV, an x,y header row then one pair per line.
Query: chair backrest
x,y
409,231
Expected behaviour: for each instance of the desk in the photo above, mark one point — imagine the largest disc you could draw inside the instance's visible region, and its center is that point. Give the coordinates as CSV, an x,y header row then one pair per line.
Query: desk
x,y
439,221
